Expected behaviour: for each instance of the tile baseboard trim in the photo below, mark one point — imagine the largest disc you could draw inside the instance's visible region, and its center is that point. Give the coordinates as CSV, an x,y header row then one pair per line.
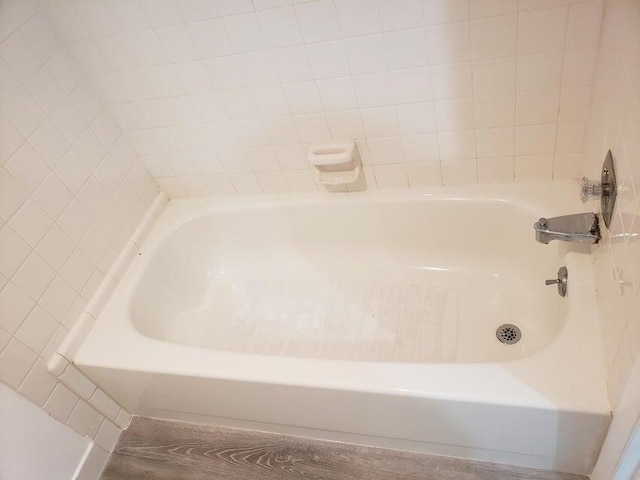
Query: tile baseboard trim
x,y
61,366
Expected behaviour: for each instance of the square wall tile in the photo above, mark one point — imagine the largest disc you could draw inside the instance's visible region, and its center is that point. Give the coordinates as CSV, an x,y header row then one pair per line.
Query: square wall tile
x,y
579,67
15,305
45,90
16,361
380,121
337,94
232,7
421,148
37,329
280,27
366,54
457,145
534,168
492,8
345,125
574,104
27,167
312,127
33,277
23,110
412,85
13,195
459,172
38,384
542,30
61,403
356,17
494,76
566,166
292,64
246,183
417,118
495,142
406,49
194,10
244,32
10,241
210,38
449,43
454,114
400,14
534,140
494,111
539,72
496,170
374,90
18,53
445,11
390,176
385,150
328,59
424,174
534,108
318,21
161,13
452,81
584,24
31,222
570,137
494,37
300,181
273,182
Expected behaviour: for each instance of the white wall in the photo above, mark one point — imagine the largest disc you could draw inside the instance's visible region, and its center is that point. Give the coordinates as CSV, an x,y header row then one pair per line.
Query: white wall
x,y
33,445
71,192
614,123
221,96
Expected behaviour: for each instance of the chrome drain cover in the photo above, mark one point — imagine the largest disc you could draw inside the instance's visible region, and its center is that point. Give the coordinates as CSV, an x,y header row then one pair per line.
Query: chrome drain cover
x,y
508,334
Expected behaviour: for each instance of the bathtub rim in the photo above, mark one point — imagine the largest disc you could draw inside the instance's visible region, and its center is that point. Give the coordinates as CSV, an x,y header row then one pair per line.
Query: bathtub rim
x,y
97,349
557,196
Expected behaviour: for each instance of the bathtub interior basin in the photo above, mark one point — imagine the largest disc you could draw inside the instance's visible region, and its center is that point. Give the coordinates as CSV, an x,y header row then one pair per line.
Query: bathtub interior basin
x,y
366,317
418,279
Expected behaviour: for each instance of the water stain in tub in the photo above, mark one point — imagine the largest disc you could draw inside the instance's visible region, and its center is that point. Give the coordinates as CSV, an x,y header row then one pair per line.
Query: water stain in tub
x,y
351,319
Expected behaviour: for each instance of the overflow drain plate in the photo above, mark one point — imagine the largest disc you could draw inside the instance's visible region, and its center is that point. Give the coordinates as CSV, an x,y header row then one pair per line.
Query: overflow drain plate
x,y
508,334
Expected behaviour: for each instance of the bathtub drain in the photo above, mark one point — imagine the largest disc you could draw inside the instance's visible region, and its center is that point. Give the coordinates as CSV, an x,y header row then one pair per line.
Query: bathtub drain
x,y
508,333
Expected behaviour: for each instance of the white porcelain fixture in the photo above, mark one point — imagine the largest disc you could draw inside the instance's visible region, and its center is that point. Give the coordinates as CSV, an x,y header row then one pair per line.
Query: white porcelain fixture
x,y
370,317
334,163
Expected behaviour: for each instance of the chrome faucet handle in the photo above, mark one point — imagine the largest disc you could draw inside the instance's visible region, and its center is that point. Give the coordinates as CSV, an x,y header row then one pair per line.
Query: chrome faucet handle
x,y
561,281
590,189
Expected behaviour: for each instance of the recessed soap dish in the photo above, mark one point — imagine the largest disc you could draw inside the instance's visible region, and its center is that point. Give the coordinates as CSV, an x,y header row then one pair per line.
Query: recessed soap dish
x,y
335,163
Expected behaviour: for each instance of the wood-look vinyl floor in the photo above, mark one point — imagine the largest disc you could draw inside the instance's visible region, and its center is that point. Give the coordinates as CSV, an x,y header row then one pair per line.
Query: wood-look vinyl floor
x,y
152,449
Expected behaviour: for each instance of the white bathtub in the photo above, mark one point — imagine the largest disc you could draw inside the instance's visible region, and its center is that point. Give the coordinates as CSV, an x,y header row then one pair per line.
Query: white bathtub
x,y
365,317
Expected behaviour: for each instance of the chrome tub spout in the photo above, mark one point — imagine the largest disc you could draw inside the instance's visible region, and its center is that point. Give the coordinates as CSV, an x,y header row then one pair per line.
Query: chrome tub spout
x,y
578,228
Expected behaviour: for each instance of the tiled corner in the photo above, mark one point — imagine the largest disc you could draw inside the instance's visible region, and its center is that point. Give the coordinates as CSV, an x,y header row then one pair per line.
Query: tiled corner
x,y
612,123
73,190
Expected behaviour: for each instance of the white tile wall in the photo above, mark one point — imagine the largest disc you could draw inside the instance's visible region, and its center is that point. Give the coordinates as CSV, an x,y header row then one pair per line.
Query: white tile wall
x,y
614,123
72,190
214,80
222,97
